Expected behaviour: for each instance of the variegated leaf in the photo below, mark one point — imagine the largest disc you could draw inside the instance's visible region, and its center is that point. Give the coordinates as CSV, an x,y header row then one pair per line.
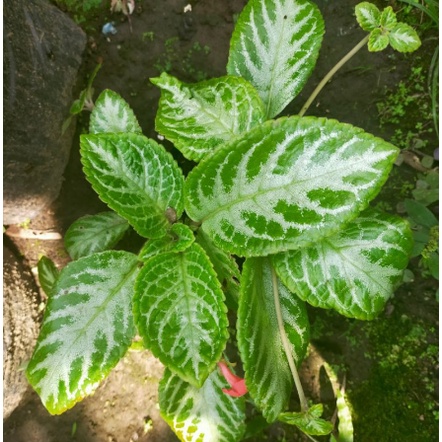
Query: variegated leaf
x,y
136,177
180,313
274,46
112,114
47,274
94,233
403,38
309,422
87,328
286,184
199,117
377,41
368,16
354,271
178,239
201,414
225,267
267,372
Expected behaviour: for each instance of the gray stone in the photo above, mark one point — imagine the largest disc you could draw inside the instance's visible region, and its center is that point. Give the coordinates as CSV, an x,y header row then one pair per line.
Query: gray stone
x,y
42,49
20,329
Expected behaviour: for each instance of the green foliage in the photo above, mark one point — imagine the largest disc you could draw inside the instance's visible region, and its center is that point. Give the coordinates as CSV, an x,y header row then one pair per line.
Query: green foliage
x,y
80,10
385,30
291,195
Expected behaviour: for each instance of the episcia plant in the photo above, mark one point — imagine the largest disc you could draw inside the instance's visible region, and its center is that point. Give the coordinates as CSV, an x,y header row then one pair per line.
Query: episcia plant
x,y
289,196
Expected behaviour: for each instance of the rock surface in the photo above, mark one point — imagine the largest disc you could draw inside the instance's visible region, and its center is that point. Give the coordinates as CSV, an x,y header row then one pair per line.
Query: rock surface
x,y
20,328
41,57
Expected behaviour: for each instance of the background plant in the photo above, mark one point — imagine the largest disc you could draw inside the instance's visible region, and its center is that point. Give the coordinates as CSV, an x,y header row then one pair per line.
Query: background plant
x,y
289,195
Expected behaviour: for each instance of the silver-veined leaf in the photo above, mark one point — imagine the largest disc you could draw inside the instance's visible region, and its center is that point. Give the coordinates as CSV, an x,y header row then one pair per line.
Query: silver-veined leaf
x,y
368,16
225,267
199,117
112,114
403,38
47,274
274,46
178,239
388,18
354,271
136,177
94,233
286,184
180,313
201,414
267,372
87,328
377,40
309,422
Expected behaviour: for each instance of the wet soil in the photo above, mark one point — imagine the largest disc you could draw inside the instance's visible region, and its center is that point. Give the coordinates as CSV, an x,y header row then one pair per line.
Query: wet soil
x,y
194,46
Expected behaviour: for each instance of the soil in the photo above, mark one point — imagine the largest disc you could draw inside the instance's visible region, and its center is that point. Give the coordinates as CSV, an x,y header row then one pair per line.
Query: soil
x,y
389,364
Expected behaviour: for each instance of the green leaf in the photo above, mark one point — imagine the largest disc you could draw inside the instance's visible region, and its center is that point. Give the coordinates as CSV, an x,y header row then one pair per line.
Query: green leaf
x,y
421,236
77,105
377,41
267,372
136,177
403,38
180,313
87,328
286,184
274,46
112,114
309,422
420,214
47,274
206,414
354,271
94,233
368,16
179,238
225,267
433,264
199,117
388,18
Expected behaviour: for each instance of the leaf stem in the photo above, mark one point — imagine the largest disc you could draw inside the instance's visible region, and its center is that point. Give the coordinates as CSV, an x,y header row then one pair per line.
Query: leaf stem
x,y
332,72
286,344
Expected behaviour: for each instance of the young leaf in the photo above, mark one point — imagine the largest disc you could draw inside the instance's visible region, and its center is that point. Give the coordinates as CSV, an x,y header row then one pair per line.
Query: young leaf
x,y
199,117
201,414
354,271
180,313
94,233
403,38
267,372
47,274
136,177
309,422
225,267
274,46
368,16
112,114
388,18
286,184
87,328
377,41
179,238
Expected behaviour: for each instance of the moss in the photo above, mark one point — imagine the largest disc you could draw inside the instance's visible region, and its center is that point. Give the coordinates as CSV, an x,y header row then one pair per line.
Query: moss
x,y
399,400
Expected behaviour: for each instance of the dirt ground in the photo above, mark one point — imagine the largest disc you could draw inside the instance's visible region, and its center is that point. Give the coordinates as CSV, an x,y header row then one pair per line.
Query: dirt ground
x,y
194,46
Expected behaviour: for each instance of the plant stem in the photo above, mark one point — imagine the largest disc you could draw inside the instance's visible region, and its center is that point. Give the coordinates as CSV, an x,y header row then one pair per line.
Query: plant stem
x,y
332,72
286,344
